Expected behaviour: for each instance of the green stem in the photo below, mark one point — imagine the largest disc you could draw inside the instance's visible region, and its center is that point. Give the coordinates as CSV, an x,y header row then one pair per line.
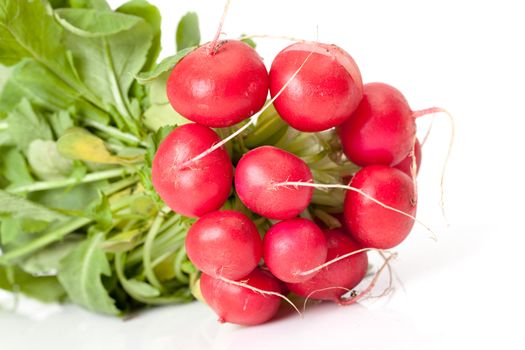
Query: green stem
x,y
121,104
120,261
53,184
148,245
116,133
58,233
42,241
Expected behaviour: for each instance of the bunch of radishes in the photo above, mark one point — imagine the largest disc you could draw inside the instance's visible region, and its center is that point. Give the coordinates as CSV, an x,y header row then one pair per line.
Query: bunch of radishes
x,y
315,87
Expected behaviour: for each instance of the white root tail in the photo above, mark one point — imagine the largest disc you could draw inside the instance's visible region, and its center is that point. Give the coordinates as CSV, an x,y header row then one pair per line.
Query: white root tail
x,y
350,188
372,284
433,111
260,291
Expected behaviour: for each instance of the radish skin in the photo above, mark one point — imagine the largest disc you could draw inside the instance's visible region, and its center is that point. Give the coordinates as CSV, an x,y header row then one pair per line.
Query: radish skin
x,y
336,279
292,247
240,305
256,175
224,243
326,91
382,129
197,188
370,224
219,87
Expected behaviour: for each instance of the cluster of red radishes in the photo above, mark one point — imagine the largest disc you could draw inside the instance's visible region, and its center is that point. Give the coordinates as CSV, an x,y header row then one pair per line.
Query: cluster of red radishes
x,y
315,87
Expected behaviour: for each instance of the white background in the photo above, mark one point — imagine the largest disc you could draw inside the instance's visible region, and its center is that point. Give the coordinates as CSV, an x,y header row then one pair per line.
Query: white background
x,y
466,289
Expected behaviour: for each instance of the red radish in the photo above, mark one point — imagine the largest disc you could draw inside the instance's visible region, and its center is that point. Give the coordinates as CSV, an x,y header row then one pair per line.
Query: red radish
x,y
224,243
197,187
323,94
219,87
381,130
256,175
342,275
292,247
406,164
238,304
370,224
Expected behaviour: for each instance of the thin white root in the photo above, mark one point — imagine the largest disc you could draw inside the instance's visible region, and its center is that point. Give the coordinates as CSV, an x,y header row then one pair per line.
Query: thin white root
x,y
427,134
431,111
260,291
350,188
372,284
253,119
339,258
319,291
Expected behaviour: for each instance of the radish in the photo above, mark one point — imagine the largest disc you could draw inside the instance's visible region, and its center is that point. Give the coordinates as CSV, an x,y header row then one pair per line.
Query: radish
x,y
324,93
292,247
224,243
239,304
259,170
373,225
219,86
406,164
338,278
382,130
197,187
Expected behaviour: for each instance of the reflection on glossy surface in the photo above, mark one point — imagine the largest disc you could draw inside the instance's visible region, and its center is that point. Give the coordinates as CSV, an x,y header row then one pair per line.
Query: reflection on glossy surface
x,y
195,327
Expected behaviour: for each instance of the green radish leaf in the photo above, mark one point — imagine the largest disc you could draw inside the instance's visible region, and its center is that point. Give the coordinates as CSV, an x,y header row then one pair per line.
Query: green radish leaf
x,y
43,288
92,23
158,116
17,207
25,125
46,162
188,33
29,79
14,168
61,121
101,213
122,242
80,274
9,230
165,65
107,64
151,15
44,44
47,261
5,73
250,42
141,289
157,89
58,3
17,42
90,4
80,144
76,198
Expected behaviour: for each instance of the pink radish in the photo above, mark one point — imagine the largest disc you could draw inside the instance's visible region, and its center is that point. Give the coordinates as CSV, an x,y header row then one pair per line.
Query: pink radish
x,y
197,187
256,175
240,305
370,224
382,130
323,94
219,86
406,164
224,243
338,278
292,247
